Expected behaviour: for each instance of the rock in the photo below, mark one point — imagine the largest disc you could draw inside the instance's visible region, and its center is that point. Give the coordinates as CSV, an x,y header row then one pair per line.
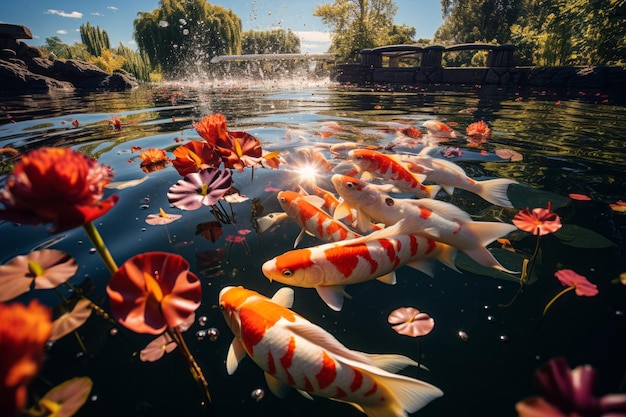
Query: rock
x,y
23,69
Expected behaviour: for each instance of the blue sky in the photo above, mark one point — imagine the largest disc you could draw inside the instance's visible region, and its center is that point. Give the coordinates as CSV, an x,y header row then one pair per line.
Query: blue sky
x,y
62,18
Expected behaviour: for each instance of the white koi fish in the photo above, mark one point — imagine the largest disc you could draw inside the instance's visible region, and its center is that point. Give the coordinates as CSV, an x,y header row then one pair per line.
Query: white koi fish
x,y
293,352
439,129
437,220
329,267
306,211
445,173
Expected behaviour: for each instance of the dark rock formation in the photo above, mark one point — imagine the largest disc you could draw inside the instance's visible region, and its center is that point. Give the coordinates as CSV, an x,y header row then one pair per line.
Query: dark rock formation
x,y
23,69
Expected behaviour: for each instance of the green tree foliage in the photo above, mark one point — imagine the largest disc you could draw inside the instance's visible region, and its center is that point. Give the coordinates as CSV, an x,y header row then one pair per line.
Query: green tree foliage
x,y
359,24
182,36
276,41
56,47
136,62
94,39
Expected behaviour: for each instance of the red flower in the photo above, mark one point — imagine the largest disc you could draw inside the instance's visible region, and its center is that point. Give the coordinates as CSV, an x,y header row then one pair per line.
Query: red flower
x,y
153,159
539,221
58,186
23,332
154,291
195,156
213,129
478,132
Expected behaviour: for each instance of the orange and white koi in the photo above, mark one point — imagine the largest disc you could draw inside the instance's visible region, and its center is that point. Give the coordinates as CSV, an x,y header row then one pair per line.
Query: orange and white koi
x,y
445,173
293,352
439,129
329,267
438,220
391,169
307,212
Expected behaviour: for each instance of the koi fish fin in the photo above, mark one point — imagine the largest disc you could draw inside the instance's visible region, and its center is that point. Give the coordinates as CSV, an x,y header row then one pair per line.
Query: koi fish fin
x,y
236,353
432,190
389,278
448,189
269,220
482,256
367,176
487,232
283,297
313,200
445,209
423,265
299,237
390,362
332,295
278,388
417,168
427,150
363,222
446,254
305,394
495,191
342,211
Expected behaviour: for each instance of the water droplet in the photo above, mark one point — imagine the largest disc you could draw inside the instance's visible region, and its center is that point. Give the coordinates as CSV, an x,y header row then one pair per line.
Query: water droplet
x,y
92,251
257,394
113,331
202,320
200,335
486,307
80,354
143,229
182,21
491,318
463,336
212,333
144,206
94,397
504,338
163,24
619,313
185,32
80,242
49,344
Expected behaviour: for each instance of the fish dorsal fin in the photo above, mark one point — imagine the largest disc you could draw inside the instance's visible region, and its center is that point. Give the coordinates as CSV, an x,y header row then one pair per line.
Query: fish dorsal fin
x,y
299,237
332,295
236,353
302,191
314,200
283,297
389,278
278,388
445,209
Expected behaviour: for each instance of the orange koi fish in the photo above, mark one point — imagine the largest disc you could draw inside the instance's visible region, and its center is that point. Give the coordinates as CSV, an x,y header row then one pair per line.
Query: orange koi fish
x,y
329,267
293,352
391,169
439,129
306,211
438,220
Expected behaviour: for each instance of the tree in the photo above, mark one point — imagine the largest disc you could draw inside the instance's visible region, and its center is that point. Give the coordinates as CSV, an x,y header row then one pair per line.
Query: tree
x,y
136,62
95,40
55,46
276,41
182,36
359,24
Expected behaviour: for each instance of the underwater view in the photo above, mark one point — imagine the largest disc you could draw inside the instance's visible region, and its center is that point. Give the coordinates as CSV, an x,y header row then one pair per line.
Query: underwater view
x,y
423,250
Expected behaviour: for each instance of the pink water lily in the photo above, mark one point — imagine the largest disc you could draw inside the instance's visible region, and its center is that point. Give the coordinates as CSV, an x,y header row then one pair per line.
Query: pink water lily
x,y
41,269
411,322
567,392
572,281
539,221
206,188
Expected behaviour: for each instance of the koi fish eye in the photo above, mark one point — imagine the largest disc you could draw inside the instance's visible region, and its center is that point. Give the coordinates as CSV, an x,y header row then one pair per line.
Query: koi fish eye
x,y
350,184
287,273
283,199
389,201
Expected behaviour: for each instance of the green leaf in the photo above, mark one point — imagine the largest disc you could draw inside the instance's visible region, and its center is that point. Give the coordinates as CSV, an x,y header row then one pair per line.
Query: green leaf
x,y
510,260
522,197
579,237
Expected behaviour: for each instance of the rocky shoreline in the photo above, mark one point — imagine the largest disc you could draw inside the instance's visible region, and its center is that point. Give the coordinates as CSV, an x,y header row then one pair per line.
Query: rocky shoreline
x,y
23,69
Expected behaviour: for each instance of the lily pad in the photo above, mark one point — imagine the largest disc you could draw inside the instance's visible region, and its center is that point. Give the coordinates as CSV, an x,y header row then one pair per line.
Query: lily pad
x,y
522,196
579,237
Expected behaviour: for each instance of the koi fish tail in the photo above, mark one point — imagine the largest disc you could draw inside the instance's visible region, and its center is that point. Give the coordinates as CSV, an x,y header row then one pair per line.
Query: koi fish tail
x,y
406,395
495,191
487,232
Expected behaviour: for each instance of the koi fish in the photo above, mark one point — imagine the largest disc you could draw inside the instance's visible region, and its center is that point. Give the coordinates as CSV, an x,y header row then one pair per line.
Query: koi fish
x,y
293,352
439,129
438,220
329,267
445,173
266,222
306,211
392,170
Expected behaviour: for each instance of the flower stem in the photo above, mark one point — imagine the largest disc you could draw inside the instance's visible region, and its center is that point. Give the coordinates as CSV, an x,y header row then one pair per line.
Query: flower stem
x,y
555,298
97,241
194,368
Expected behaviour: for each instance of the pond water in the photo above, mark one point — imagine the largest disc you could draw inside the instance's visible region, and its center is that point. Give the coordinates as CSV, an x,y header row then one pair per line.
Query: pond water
x,y
480,353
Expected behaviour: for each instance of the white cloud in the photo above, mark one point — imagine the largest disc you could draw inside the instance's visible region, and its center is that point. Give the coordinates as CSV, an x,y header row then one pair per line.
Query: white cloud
x,y
96,14
73,15
112,8
62,32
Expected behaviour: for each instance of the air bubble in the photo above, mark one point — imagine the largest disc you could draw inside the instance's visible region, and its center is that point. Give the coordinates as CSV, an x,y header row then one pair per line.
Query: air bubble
x,y
92,251
504,338
257,394
200,335
202,320
213,334
144,206
463,336
114,331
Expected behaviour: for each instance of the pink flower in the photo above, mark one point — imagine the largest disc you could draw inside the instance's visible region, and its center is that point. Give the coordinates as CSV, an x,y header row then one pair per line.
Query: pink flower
x,y
200,188
411,322
569,393
583,287
539,221
154,291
